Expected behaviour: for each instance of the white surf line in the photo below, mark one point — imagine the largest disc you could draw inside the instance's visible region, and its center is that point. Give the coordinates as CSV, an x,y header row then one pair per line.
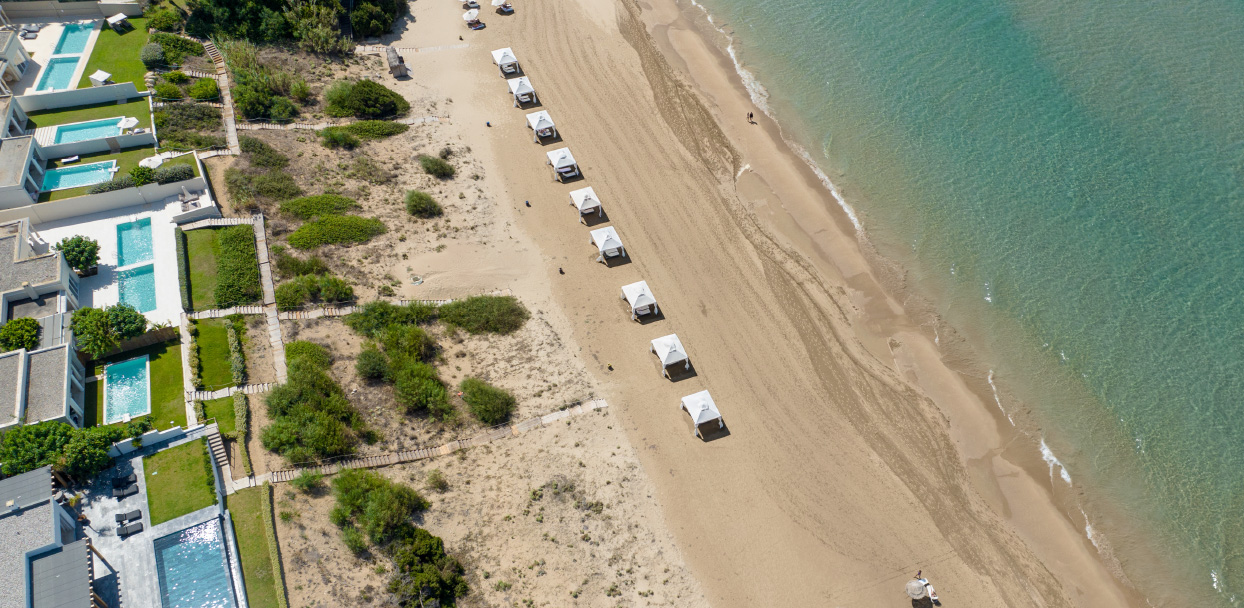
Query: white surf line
x,y
996,398
1048,456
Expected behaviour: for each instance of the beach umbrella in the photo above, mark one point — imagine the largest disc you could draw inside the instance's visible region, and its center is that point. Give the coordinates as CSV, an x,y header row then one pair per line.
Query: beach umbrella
x,y
471,15
151,162
129,122
499,2
915,589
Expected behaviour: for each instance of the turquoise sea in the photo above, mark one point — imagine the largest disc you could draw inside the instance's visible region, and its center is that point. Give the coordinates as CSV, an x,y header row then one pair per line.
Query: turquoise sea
x,y
1063,181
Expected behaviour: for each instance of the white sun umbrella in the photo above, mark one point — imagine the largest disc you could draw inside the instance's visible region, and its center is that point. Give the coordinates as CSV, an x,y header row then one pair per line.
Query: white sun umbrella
x,y
129,122
471,15
915,590
585,200
640,299
607,241
670,351
499,2
152,162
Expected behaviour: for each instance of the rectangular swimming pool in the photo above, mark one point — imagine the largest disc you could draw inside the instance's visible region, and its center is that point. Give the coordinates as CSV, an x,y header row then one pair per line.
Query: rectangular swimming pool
x,y
73,38
58,74
82,131
134,242
77,176
137,287
193,570
127,390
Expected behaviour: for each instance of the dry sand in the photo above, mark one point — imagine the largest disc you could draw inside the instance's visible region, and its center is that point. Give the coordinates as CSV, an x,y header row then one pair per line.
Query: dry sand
x,y
855,455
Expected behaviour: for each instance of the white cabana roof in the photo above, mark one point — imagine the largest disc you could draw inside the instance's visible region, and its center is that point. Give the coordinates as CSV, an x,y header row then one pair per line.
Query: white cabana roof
x,y
638,295
117,18
669,350
561,157
606,238
100,77
520,86
503,56
585,200
701,407
539,120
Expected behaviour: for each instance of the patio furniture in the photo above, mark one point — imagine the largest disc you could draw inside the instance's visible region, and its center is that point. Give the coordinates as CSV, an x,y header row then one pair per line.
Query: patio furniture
x,y
118,22
121,482
134,515
125,492
126,530
100,78
70,159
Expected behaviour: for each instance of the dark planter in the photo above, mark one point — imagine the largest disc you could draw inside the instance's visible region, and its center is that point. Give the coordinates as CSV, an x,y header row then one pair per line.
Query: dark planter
x,y
89,272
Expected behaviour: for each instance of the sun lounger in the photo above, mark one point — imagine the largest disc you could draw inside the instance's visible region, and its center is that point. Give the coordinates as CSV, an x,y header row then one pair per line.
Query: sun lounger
x,y
129,529
134,515
125,492
121,482
69,159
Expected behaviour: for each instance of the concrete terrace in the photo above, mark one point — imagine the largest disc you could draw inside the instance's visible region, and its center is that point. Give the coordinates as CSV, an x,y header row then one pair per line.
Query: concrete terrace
x,y
43,47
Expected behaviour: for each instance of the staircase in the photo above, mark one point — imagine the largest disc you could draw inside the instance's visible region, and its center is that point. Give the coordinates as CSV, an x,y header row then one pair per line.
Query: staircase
x,y
217,447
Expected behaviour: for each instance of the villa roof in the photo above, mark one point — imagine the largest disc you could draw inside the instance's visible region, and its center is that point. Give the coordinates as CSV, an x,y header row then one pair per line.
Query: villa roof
x,y
22,531
62,578
46,383
10,370
6,37
25,490
15,268
13,154
6,101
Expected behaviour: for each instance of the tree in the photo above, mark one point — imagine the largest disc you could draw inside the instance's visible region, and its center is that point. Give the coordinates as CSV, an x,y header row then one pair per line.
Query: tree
x,y
86,454
19,333
29,447
370,20
80,252
126,321
315,26
93,330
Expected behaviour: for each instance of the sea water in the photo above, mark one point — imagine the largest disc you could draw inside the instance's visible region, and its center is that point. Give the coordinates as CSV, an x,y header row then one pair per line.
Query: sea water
x,y
1063,181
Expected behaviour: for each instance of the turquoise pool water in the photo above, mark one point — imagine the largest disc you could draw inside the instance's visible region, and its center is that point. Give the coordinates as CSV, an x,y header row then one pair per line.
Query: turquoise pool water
x,y
192,567
137,286
127,390
76,176
73,38
82,131
58,74
134,242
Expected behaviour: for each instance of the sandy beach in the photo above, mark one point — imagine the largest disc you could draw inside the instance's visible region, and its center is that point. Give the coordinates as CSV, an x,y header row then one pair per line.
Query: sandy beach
x,y
855,455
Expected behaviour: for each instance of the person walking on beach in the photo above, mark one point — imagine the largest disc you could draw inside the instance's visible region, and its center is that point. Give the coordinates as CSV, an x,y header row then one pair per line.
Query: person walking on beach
x,y
749,119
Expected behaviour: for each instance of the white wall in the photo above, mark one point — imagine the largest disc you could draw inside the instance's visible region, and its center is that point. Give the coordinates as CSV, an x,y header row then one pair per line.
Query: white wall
x,y
149,438
51,8
91,146
95,203
55,100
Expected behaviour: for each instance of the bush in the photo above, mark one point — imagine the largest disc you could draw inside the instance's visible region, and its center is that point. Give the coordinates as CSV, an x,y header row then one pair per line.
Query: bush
x,y
190,116
260,154
376,129
290,266
408,341
251,102
380,507
126,321
337,137
317,205
364,99
80,252
377,316
300,92
167,174
205,89
237,268
437,481
245,186
421,204
307,481
293,294
418,388
422,570
370,20
152,55
142,175
311,417
192,359
164,20
354,540
19,333
371,364
282,109
93,331
335,229
488,403
237,355
486,314
310,352
183,266
370,171
436,167
117,183
175,47
171,139
337,99
169,92
176,77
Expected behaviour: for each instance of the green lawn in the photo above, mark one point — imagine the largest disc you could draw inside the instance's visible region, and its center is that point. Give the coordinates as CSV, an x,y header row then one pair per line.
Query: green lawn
x,y
94,403
118,54
202,248
179,481
138,108
126,159
222,410
213,343
168,397
245,507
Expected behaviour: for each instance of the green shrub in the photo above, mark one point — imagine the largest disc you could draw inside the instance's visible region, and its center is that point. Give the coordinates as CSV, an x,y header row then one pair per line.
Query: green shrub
x,y
310,352
307,207
422,569
19,333
337,137
354,540
205,89
169,92
437,481
300,92
152,55
291,295
237,267
335,229
408,341
326,288
244,186
142,175
488,403
237,355
365,99
81,253
282,109
368,170
336,98
289,266
307,481
189,140
116,183
172,173
376,129
189,116
192,358
436,167
93,331
175,47
176,77
418,388
163,20
311,417
377,316
371,364
126,321
379,507
260,154
370,20
421,204
486,314
183,266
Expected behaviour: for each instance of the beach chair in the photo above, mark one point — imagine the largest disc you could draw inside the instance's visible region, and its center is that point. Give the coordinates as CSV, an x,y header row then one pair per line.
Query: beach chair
x,y
121,482
134,515
125,492
128,529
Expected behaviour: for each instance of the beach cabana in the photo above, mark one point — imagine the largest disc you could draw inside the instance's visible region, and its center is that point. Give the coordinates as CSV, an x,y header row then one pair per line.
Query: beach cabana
x,y
563,163
671,353
584,199
607,241
541,125
703,412
522,91
100,78
506,62
397,65
640,299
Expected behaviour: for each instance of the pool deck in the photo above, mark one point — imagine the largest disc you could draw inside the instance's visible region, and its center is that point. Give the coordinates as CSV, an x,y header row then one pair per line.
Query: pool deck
x,y
134,557
43,48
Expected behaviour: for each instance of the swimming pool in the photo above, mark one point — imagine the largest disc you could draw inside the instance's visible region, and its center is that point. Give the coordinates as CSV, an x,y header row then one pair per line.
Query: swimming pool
x,y
137,287
73,38
134,242
192,567
82,131
58,74
76,176
127,390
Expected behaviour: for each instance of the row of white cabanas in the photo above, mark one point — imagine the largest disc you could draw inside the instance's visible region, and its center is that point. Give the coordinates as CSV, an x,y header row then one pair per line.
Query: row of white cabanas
x,y
669,349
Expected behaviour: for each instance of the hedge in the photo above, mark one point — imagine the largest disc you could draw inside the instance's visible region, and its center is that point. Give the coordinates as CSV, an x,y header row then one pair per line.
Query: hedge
x,y
173,173
118,183
335,229
242,428
237,267
196,366
308,207
274,549
183,267
237,355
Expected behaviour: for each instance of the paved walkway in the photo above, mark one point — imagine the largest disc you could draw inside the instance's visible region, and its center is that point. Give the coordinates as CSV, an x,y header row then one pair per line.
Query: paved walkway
x,y
226,113
269,301
216,222
246,389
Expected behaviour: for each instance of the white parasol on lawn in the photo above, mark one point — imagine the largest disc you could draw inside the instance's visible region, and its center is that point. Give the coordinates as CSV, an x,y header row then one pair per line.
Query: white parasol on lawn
x,y
129,122
471,15
151,162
